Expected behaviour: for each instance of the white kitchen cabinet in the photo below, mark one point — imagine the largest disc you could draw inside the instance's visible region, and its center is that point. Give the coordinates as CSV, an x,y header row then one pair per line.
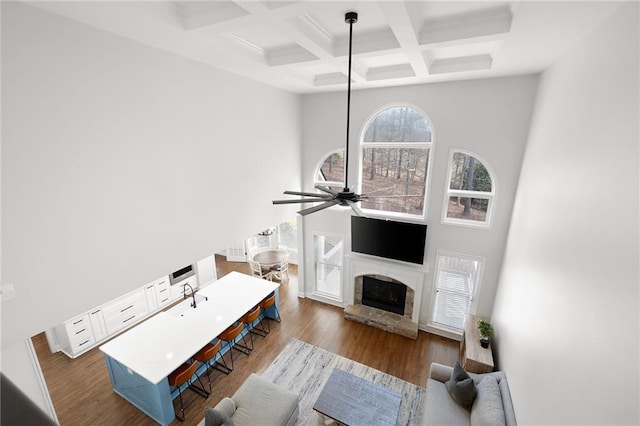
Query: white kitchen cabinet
x,y
206,271
163,292
125,311
158,293
98,326
150,296
75,335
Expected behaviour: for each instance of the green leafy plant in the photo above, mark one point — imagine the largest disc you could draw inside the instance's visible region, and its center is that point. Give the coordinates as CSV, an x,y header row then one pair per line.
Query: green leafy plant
x,y
485,328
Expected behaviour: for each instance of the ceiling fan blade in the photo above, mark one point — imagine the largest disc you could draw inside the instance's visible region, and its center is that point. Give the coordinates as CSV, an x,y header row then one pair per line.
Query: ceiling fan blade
x,y
380,190
318,208
366,197
355,208
326,189
306,194
301,200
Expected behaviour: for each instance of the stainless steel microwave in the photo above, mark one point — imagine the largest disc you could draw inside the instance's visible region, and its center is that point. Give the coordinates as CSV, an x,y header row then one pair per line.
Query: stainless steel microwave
x,y
181,274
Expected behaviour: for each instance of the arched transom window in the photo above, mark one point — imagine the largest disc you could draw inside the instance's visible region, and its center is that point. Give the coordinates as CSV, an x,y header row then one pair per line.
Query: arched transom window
x,y
395,153
470,190
331,171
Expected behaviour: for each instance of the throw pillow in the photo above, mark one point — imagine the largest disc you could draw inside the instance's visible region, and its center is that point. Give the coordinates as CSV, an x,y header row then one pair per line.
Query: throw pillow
x,y
461,387
213,417
487,409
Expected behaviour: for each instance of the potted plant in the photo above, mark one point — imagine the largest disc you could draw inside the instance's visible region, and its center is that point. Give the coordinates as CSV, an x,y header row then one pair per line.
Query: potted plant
x,y
486,331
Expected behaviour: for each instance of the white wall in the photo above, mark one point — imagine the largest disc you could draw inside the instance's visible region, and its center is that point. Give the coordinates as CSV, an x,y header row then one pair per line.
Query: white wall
x,y
122,163
488,117
566,313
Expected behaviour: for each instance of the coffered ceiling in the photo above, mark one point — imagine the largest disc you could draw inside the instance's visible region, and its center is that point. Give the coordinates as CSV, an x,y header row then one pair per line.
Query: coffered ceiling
x,y
302,46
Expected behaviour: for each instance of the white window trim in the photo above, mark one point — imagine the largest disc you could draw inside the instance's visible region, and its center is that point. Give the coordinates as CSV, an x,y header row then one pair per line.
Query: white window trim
x,y
319,167
315,292
434,288
430,145
491,196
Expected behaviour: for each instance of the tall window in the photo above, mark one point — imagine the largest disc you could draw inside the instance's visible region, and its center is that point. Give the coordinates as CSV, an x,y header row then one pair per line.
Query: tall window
x,y
470,191
328,260
456,283
331,171
288,234
396,147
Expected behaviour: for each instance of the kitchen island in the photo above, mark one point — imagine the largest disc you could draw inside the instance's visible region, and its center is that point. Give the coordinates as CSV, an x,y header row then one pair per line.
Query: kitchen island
x,y
140,359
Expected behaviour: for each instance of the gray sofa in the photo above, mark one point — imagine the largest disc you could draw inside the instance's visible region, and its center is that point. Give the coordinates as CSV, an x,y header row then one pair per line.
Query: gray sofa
x,y
256,402
491,405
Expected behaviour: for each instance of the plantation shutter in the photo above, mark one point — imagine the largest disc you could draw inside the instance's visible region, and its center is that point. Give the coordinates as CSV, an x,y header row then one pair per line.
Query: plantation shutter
x,y
456,283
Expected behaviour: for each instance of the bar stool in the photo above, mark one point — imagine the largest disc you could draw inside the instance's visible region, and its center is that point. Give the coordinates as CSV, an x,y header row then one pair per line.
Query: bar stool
x,y
248,319
182,375
206,355
268,303
229,337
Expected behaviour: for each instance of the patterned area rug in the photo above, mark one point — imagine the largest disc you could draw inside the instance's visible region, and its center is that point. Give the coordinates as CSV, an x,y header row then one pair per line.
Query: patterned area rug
x,y
304,369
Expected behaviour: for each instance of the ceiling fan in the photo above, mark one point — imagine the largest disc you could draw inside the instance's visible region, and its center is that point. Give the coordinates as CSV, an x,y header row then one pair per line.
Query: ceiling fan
x,y
346,197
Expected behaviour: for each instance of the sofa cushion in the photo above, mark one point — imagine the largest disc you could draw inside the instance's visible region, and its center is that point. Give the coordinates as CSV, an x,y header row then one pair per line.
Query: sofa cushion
x,y
213,417
259,401
440,409
487,409
461,386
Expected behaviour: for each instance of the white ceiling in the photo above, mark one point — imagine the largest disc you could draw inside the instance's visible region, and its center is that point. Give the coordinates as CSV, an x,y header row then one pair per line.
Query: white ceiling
x,y
302,46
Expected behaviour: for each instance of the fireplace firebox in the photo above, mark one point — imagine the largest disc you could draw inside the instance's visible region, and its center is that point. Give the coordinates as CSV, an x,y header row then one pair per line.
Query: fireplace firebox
x,y
385,295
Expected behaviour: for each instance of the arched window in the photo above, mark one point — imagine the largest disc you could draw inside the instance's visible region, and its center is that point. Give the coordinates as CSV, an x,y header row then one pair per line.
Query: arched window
x,y
396,146
470,190
330,172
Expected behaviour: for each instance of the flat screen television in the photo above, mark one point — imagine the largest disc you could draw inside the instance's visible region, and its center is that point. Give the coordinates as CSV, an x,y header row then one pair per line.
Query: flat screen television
x,y
389,239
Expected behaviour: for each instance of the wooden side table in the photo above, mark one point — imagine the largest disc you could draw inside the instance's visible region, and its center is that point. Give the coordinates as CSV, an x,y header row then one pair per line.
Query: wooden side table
x,y
473,357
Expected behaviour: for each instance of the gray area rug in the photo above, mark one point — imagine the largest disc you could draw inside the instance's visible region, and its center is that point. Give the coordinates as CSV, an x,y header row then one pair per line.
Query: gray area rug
x,y
304,369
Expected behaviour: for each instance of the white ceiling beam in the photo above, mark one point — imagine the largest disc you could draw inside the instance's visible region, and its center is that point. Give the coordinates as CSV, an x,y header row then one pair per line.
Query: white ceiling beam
x,y
331,79
491,24
464,63
390,72
372,41
204,14
288,55
249,50
256,14
293,21
403,21
309,34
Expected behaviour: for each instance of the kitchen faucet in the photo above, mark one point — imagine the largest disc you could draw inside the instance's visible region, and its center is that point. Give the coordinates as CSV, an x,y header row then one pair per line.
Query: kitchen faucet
x,y
193,294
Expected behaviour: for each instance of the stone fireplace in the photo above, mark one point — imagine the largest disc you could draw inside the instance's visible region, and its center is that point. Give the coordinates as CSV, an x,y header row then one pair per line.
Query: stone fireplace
x,y
386,298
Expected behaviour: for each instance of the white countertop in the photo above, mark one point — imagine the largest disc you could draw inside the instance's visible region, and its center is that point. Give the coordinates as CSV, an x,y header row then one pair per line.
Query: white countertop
x,y
159,345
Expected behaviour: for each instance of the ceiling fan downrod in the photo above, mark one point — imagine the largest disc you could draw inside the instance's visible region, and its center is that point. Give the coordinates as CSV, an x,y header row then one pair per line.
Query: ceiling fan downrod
x,y
350,18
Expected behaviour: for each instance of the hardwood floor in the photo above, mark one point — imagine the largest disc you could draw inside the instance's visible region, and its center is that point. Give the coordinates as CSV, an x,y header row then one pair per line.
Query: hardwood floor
x,y
81,390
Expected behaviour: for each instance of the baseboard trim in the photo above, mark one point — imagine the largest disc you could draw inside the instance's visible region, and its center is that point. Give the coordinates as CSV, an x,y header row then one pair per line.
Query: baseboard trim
x,y
41,381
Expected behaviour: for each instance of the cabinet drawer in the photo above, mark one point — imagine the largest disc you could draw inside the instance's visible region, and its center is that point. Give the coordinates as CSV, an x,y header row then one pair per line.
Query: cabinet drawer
x,y
76,324
81,342
80,335
121,307
125,311
115,324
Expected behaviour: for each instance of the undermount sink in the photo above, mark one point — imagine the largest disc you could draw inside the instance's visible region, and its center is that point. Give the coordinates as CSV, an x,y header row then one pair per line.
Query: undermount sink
x,y
186,306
